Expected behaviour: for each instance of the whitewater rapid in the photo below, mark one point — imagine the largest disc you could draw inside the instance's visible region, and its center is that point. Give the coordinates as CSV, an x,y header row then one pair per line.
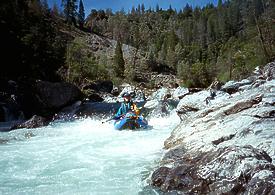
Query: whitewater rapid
x,y
81,157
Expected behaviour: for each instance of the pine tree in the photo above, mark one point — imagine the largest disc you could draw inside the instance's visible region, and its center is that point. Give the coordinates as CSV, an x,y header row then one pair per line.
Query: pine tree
x,y
133,11
157,8
172,40
142,8
54,10
170,9
81,14
119,64
151,61
70,10
45,5
139,9
187,11
219,3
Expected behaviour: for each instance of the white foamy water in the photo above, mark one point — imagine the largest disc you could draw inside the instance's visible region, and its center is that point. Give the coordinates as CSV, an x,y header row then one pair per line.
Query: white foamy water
x,y
81,157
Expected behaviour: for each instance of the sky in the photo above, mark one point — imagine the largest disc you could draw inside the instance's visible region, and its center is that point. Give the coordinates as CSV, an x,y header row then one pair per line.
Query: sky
x,y
127,5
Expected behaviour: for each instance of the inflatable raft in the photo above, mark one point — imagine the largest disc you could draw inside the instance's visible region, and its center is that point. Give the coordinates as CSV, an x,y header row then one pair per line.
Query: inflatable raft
x,y
131,121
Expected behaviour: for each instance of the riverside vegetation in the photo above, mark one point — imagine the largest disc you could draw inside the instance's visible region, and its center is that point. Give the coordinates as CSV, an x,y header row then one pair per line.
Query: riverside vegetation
x,y
196,44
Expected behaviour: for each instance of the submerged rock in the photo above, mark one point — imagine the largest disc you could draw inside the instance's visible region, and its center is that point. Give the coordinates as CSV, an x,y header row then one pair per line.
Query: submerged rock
x,y
34,122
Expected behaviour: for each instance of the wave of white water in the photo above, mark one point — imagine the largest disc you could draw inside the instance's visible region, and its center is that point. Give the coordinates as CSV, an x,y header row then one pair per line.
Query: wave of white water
x,y
81,157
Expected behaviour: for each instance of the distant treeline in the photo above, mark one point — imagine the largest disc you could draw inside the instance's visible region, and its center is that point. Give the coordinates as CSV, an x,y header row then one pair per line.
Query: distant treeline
x,y
225,41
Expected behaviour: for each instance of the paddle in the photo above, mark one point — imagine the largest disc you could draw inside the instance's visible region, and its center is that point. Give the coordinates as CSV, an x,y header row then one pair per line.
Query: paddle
x,y
113,118
107,120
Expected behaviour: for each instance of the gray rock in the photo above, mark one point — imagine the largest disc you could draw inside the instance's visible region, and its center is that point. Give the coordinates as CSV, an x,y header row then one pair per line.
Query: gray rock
x,y
226,147
269,71
56,95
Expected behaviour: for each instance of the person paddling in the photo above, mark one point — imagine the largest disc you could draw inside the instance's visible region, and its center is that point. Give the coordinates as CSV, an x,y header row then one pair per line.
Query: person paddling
x,y
127,105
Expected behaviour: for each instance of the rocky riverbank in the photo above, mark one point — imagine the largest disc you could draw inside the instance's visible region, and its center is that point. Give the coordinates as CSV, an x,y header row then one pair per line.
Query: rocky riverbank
x,y
35,103
222,146
225,147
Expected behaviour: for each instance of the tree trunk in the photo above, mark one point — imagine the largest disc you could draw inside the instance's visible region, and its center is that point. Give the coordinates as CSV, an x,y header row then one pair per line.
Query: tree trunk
x,y
230,71
261,38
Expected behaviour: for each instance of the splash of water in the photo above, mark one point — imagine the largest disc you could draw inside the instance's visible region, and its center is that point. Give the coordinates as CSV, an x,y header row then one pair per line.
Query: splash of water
x,y
81,157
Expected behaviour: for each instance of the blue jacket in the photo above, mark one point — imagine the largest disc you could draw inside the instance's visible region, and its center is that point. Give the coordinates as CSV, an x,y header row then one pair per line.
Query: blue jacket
x,y
124,108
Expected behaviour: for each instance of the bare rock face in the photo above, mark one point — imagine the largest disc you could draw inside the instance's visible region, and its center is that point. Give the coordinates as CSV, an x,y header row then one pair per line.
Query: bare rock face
x,y
226,147
243,105
56,95
96,42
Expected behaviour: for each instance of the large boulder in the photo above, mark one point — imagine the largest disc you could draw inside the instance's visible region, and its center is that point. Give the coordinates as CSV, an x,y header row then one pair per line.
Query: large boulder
x,y
56,95
226,147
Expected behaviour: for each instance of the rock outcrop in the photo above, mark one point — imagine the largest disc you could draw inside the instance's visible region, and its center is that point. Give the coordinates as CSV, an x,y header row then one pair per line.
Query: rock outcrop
x,y
226,147
56,95
21,100
135,59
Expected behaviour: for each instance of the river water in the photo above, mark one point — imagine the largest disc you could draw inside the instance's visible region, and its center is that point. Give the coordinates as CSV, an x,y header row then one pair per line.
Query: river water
x,y
81,157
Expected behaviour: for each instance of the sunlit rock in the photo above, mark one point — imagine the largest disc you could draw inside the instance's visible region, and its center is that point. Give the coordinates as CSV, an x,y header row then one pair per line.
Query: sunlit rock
x,y
180,92
224,147
269,71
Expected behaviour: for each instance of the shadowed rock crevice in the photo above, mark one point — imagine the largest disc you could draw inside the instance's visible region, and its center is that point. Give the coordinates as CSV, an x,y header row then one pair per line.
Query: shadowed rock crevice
x,y
174,142
184,110
270,114
240,106
222,139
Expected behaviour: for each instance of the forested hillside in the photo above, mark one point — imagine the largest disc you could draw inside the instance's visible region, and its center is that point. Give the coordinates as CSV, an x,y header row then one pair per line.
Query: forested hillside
x,y
34,46
197,44
226,41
